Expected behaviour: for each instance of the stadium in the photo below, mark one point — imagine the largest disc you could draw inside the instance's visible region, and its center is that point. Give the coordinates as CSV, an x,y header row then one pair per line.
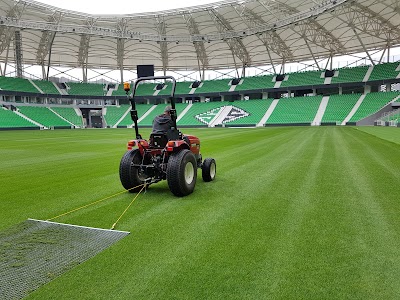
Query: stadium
x,y
297,101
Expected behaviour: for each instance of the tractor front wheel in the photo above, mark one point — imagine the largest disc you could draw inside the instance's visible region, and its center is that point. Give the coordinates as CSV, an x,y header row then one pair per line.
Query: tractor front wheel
x,y
132,178
182,173
208,169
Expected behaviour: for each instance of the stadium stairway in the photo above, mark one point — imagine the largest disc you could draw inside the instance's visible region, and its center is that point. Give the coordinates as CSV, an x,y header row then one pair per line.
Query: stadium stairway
x,y
146,113
233,87
110,91
72,114
112,114
60,90
38,88
368,74
11,119
344,75
338,108
321,111
30,120
268,113
277,84
141,110
183,113
44,116
122,117
354,109
62,117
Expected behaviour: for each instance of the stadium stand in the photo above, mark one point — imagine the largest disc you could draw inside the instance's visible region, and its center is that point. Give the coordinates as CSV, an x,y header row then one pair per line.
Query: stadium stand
x,y
145,89
256,110
392,116
301,110
256,83
384,71
86,89
372,103
43,116
189,119
304,78
339,106
8,119
120,91
214,86
141,109
355,74
17,85
69,114
114,113
46,86
182,88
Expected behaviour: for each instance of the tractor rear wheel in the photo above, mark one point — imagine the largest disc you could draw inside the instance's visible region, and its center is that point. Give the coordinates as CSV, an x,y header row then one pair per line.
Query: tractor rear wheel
x,y
182,173
131,177
208,169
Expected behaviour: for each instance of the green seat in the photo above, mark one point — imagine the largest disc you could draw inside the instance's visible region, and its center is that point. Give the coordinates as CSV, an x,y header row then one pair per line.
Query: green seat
x,y
295,110
339,107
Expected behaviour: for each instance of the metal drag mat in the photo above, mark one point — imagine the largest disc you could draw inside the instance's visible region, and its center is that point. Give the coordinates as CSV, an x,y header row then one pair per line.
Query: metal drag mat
x,y
34,252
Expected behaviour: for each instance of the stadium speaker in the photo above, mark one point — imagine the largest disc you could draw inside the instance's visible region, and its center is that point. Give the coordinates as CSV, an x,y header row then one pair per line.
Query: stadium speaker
x,y
160,86
145,70
195,84
280,77
329,73
235,81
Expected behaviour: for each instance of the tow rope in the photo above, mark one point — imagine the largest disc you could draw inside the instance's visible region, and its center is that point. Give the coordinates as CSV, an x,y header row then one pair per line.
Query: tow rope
x,y
103,199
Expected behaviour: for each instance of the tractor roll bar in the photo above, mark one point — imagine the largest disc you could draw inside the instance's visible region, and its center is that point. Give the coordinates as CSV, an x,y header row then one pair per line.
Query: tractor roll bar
x,y
134,115
156,78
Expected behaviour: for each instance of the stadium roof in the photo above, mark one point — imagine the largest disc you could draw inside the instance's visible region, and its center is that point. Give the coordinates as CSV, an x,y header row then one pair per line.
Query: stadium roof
x,y
225,34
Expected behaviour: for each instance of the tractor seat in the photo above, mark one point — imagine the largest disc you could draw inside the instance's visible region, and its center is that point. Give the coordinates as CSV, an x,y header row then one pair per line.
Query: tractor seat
x,y
158,140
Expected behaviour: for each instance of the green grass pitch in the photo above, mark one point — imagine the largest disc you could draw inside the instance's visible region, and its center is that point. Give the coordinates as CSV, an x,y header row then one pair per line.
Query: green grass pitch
x,y
294,213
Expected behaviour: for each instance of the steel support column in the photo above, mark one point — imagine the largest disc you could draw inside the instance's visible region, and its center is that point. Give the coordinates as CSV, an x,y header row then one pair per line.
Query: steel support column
x,y
161,28
199,47
235,44
363,46
18,53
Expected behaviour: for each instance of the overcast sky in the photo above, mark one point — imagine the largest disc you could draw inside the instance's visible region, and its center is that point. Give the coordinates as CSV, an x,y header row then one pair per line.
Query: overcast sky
x,y
122,6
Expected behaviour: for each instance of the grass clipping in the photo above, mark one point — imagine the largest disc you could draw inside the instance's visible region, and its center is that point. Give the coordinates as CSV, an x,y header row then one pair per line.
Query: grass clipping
x,y
34,252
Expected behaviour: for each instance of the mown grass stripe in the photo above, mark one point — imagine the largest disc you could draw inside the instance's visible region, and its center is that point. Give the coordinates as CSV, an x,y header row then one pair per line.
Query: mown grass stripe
x,y
295,213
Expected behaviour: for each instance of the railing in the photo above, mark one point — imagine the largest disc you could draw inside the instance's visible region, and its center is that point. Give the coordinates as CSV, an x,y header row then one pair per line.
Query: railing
x,y
389,118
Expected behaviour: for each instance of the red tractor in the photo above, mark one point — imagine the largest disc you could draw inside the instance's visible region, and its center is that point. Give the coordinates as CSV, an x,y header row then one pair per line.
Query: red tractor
x,y
172,156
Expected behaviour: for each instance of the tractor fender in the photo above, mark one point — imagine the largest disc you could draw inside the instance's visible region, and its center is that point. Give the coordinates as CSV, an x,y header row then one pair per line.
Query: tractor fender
x,y
141,144
194,143
177,145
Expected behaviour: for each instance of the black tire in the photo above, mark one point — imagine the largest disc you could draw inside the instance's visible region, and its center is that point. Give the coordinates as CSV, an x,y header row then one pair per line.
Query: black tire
x,y
208,169
131,176
182,173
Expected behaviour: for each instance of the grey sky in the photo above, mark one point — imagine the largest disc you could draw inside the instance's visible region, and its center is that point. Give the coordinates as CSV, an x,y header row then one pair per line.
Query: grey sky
x,y
122,6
